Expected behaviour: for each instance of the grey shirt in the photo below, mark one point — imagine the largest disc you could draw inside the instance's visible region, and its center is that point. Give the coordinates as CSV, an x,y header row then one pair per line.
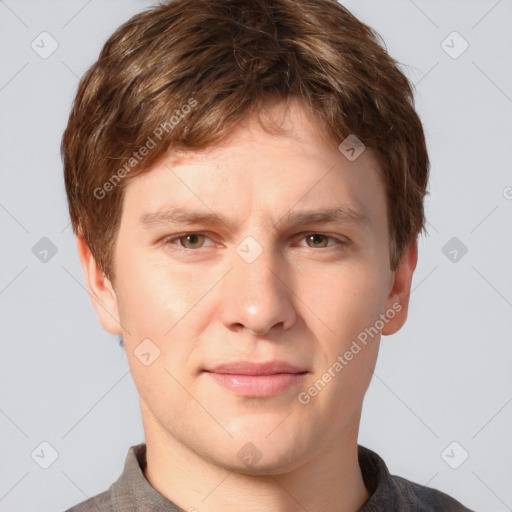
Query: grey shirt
x,y
133,493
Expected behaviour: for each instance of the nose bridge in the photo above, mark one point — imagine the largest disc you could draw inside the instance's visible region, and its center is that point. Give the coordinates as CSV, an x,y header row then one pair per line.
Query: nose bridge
x,y
256,259
255,296
257,268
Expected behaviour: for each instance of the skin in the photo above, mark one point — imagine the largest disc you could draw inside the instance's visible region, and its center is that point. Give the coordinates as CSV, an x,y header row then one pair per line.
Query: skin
x,y
300,301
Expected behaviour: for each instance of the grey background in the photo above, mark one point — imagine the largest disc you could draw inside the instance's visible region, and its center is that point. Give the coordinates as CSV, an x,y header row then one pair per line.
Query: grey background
x,y
446,376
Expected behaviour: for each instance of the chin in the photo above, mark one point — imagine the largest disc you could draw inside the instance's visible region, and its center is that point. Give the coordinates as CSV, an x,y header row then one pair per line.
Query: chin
x,y
277,464
267,450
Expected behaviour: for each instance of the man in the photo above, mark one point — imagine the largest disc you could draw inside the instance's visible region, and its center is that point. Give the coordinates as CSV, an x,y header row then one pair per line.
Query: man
x,y
246,181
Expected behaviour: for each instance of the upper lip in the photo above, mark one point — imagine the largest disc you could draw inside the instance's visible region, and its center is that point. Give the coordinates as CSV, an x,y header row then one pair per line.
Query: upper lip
x,y
252,368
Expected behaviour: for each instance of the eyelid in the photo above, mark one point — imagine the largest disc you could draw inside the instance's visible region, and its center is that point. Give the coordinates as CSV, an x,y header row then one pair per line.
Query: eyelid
x,y
340,240
172,238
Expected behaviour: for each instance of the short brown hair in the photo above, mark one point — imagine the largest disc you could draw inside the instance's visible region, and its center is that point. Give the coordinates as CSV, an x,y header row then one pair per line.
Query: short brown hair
x,y
190,70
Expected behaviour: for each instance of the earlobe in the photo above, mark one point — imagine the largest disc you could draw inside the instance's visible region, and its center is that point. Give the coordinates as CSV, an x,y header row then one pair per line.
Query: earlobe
x,y
101,291
397,304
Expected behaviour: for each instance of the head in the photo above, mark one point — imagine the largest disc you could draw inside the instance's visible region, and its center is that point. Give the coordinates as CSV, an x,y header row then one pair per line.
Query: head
x,y
221,217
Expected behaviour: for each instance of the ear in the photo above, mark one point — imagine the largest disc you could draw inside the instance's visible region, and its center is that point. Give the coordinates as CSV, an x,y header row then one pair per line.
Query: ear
x,y
398,298
100,289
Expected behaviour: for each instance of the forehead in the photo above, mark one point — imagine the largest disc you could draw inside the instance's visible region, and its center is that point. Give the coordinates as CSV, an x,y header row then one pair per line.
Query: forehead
x,y
252,172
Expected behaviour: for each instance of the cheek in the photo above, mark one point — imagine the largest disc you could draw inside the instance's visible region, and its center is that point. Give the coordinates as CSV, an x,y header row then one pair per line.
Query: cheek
x,y
345,300
349,307
155,312
152,299
161,305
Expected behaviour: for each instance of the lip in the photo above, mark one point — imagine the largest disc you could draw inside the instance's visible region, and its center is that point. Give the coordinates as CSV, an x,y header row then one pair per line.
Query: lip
x,y
252,368
246,378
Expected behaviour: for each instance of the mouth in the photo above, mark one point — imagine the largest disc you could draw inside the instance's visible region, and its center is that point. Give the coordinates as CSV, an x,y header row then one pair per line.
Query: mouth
x,y
250,379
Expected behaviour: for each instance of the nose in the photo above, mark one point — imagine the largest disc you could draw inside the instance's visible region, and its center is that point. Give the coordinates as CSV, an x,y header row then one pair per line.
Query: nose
x,y
256,296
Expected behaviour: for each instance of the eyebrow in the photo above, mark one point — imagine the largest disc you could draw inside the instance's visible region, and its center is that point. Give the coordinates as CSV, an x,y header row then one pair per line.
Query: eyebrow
x,y
183,216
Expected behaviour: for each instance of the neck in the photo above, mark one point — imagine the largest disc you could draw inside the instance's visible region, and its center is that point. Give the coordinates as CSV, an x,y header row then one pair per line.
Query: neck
x,y
330,481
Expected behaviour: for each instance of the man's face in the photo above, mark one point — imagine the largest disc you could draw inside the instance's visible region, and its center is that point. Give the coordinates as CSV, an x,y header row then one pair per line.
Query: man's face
x,y
265,284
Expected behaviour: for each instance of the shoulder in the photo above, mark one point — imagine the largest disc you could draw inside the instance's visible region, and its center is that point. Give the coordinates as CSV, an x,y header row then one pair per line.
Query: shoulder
x,y
424,499
120,495
99,503
393,492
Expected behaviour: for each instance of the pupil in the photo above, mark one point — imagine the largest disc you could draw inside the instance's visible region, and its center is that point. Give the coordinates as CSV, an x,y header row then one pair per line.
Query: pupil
x,y
191,240
316,239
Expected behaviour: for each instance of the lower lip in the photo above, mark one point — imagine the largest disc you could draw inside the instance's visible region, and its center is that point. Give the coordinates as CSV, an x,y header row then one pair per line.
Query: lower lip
x,y
257,385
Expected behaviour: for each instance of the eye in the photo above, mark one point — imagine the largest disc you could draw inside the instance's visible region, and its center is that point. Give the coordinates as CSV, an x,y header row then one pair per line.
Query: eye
x,y
321,241
189,241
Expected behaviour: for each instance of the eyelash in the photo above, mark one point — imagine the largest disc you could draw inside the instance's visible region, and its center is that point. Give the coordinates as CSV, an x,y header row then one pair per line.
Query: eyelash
x,y
170,241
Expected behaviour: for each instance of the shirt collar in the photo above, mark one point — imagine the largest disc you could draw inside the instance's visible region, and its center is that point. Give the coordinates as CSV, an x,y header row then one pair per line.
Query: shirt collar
x,y
132,492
